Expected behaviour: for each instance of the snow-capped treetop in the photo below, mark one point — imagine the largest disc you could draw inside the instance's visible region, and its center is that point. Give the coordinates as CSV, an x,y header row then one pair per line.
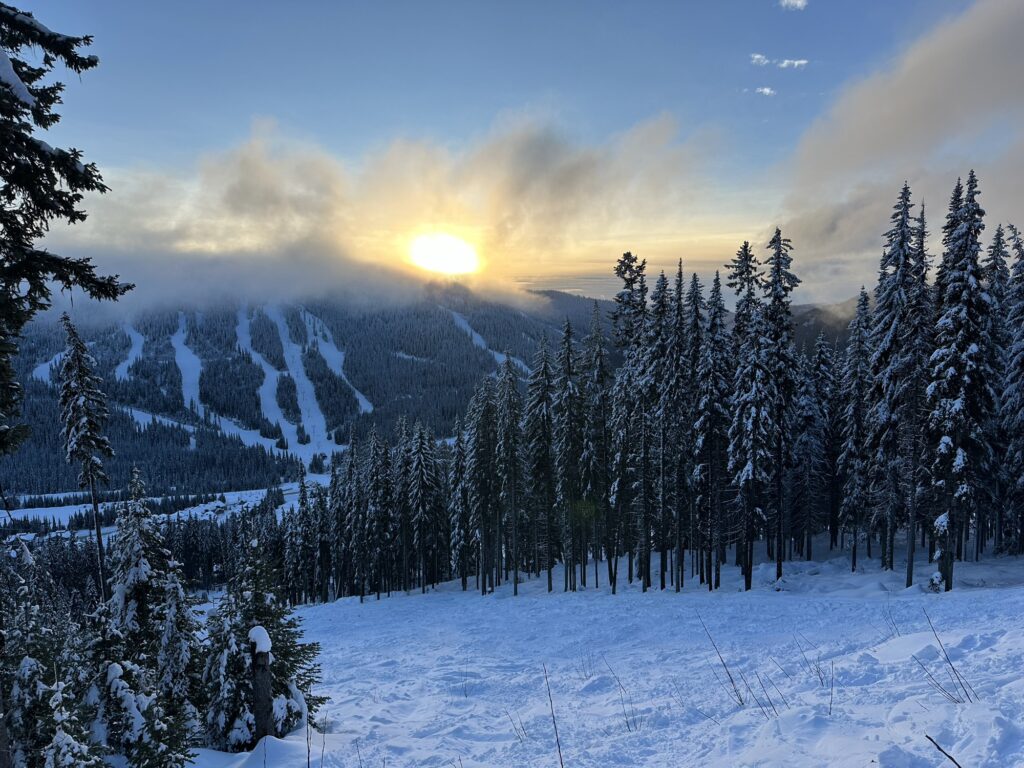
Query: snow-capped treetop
x,y
260,639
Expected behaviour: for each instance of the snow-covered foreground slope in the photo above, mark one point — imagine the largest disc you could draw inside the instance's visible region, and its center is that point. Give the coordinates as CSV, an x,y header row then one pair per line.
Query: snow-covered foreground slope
x,y
454,679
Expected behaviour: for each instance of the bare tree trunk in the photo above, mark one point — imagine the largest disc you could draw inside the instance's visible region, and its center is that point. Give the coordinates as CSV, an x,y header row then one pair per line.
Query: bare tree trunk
x,y
263,707
911,538
515,544
102,561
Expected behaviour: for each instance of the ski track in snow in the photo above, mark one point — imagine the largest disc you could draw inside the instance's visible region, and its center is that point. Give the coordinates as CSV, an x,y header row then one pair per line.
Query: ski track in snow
x,y
439,679
134,352
479,341
334,357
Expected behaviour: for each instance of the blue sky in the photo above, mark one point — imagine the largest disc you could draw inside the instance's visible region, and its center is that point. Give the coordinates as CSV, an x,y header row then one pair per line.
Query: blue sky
x,y
181,78
552,135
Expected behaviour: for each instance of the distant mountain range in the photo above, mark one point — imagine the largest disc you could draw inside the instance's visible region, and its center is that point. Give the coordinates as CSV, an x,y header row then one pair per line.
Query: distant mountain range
x,y
231,397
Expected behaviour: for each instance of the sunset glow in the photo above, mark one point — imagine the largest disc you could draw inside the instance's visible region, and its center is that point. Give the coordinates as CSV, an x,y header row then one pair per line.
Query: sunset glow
x,y
444,253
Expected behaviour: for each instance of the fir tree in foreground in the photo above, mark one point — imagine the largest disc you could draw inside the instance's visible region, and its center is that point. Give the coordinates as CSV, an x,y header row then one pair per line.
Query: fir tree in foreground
x,y
69,747
83,414
228,676
712,433
1012,401
855,459
42,186
143,646
961,399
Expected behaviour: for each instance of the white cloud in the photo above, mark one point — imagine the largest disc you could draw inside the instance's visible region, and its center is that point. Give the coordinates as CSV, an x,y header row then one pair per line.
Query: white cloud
x,y
765,91
793,5
760,60
274,214
952,101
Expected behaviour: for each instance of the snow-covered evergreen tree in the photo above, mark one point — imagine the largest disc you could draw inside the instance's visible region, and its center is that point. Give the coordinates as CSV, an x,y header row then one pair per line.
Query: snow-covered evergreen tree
x,y
228,674
595,449
568,445
462,534
43,186
745,279
855,460
675,415
539,450
652,491
509,462
83,414
711,433
781,362
379,507
69,746
997,282
32,644
178,667
961,399
401,465
424,504
356,542
807,458
129,647
752,435
481,447
828,394
1012,400
892,374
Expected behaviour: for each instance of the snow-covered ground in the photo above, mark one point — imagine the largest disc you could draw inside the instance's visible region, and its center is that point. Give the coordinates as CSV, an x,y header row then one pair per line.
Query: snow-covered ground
x,y
454,679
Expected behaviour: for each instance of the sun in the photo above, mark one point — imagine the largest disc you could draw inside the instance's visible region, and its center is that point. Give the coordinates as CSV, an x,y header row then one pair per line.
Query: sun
x,y
444,253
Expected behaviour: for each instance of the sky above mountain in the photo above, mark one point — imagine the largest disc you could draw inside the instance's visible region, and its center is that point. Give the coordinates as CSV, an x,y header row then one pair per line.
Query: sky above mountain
x,y
311,144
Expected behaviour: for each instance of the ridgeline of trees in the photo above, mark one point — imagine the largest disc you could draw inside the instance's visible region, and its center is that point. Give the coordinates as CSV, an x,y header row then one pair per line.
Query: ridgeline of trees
x,y
709,440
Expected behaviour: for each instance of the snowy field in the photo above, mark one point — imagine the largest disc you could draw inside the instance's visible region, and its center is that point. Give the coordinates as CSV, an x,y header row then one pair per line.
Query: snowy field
x,y
454,679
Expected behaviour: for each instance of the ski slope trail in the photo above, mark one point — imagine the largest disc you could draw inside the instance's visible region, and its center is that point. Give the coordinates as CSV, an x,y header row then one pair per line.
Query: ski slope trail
x,y
267,391
138,341
334,357
825,671
479,341
313,420
189,365
42,372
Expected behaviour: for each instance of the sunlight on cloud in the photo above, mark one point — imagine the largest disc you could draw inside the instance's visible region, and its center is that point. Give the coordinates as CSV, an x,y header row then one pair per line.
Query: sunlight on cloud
x,y
527,195
903,123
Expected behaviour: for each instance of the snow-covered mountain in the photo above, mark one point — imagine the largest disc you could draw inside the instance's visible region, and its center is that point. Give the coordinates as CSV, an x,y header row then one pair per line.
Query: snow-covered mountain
x,y
228,397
